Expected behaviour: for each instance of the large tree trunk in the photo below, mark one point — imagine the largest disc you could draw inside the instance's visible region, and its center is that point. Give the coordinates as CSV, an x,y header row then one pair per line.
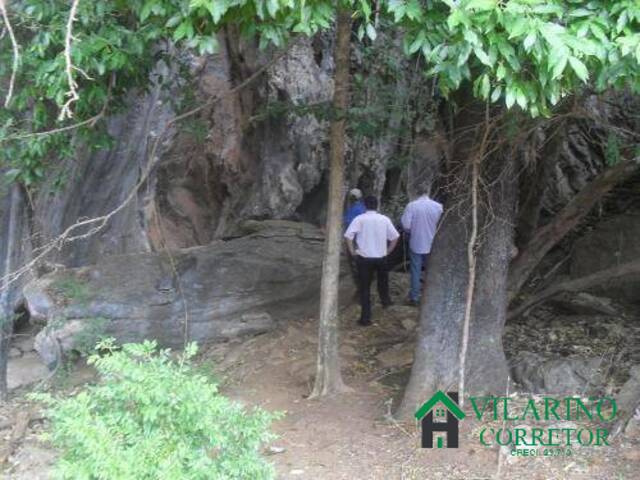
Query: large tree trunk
x,y
436,364
328,376
548,236
14,236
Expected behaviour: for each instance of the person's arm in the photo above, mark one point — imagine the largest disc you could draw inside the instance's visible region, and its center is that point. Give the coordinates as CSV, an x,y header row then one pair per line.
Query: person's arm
x,y
392,245
392,236
406,219
350,234
351,247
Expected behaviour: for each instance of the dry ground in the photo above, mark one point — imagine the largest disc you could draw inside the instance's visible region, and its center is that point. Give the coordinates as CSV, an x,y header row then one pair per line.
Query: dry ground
x,y
348,436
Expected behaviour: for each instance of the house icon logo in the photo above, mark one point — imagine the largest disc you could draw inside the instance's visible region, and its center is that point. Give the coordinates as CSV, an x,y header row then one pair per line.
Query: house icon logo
x,y
446,406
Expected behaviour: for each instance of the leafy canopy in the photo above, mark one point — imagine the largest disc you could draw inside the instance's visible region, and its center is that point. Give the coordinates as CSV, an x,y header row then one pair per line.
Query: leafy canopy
x,y
526,52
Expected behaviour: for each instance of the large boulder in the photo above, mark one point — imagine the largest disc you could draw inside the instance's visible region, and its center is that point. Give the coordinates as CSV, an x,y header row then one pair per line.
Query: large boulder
x,y
213,292
570,376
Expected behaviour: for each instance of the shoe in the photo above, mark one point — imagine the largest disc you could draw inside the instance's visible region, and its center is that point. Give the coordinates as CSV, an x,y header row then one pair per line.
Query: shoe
x,y
364,324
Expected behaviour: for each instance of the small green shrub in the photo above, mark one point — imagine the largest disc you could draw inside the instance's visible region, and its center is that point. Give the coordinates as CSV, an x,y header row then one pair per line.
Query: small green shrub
x,y
151,417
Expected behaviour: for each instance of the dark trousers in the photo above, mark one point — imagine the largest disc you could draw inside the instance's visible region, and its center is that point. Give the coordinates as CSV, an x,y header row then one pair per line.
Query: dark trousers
x,y
366,269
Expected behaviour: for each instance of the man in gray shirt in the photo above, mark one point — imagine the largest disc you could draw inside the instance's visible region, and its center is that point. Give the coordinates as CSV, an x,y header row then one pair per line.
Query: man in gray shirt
x,y
420,219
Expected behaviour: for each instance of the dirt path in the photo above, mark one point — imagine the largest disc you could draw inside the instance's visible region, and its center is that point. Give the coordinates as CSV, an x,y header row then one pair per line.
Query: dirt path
x,y
347,436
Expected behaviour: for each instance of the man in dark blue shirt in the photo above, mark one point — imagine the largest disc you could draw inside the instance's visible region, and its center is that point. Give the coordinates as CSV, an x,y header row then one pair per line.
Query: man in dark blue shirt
x,y
356,207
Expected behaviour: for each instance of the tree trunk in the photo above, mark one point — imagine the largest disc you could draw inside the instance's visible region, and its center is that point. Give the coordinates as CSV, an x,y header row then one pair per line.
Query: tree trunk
x,y
436,364
6,311
534,181
328,376
549,235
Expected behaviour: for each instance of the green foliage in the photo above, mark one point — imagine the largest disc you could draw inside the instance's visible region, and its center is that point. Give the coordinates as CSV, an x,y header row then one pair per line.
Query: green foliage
x,y
389,94
71,288
529,53
524,53
151,417
92,333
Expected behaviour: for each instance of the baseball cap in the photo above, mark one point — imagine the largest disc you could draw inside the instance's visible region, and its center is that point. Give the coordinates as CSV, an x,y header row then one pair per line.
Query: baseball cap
x,y
355,193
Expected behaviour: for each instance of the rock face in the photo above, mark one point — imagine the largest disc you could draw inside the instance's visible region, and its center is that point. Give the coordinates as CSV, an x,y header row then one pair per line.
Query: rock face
x,y
213,292
612,242
249,155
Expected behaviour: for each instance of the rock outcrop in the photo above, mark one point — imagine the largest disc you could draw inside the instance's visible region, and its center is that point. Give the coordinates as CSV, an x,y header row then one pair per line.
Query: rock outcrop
x,y
212,292
256,153
571,376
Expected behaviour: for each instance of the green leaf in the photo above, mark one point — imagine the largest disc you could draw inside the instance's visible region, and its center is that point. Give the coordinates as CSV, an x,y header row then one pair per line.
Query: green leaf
x,y
272,7
521,98
485,86
581,12
217,8
510,98
184,30
497,93
371,32
559,66
417,43
599,32
414,10
530,40
471,37
580,68
146,10
483,57
520,27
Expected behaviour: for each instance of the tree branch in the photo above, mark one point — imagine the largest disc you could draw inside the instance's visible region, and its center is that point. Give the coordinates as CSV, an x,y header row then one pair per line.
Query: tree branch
x,y
73,86
549,235
16,52
614,274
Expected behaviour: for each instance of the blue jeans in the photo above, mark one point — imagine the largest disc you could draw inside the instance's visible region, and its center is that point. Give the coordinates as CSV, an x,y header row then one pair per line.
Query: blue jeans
x,y
417,260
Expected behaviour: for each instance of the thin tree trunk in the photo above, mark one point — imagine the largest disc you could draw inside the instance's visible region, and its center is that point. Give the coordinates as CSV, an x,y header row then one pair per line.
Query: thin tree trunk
x,y
6,312
548,236
616,274
328,376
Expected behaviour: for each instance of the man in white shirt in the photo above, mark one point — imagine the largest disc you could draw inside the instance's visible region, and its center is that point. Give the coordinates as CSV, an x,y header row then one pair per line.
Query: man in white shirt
x,y
420,220
370,238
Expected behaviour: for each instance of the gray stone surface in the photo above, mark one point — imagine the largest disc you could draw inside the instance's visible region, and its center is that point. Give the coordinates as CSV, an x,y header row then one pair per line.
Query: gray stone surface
x,y
221,290
570,376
